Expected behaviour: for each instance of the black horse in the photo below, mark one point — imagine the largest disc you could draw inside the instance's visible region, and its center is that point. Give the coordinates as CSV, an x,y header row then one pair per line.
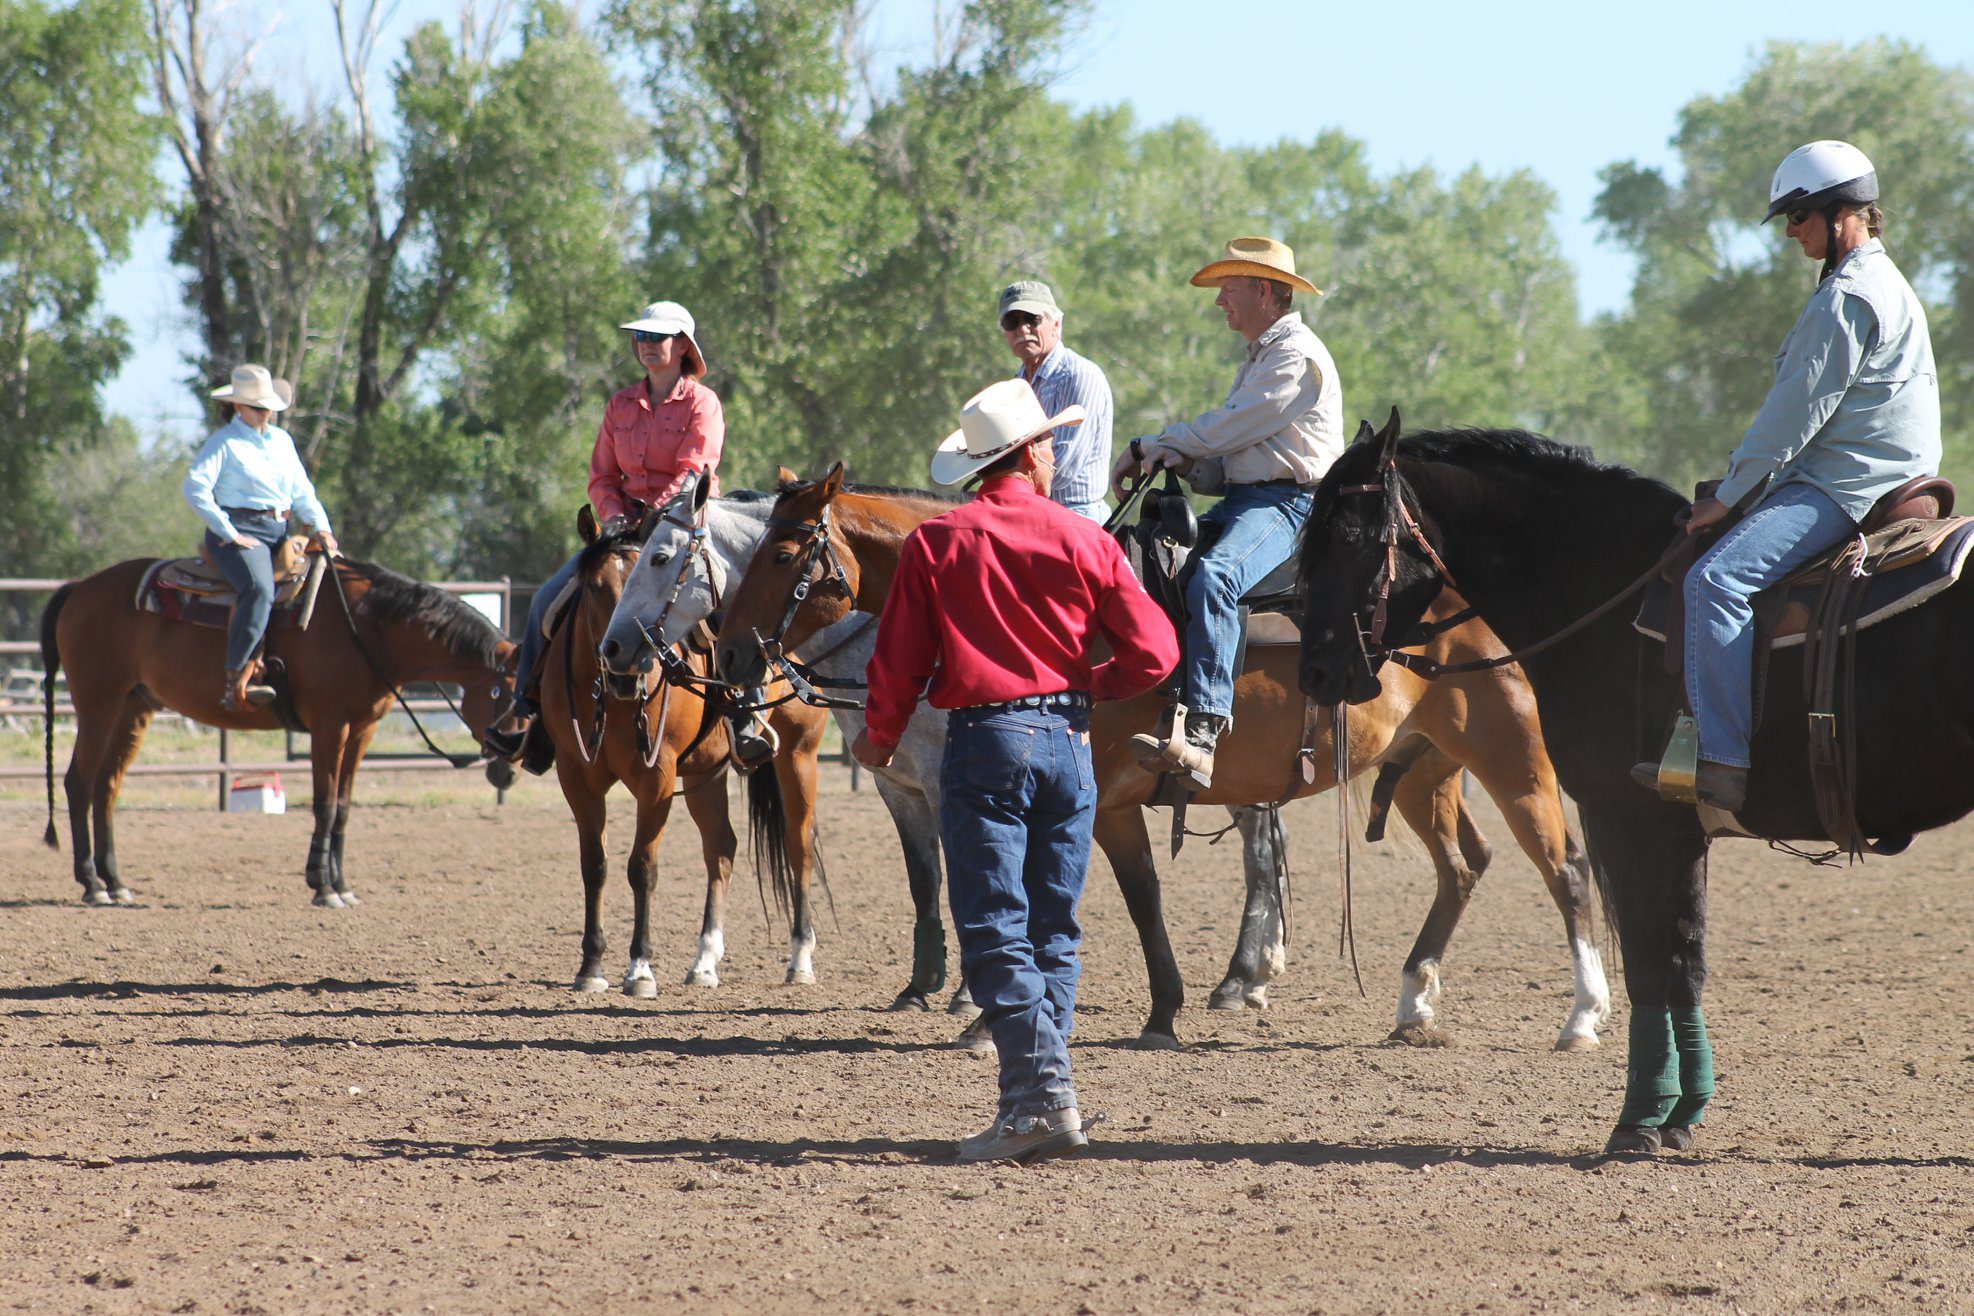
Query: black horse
x,y
1536,535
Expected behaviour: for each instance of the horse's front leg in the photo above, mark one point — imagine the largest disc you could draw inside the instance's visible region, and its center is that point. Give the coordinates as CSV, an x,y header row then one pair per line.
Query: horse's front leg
x,y
918,837
654,806
325,773
1261,951
131,725
353,751
708,805
1120,831
1428,799
797,772
591,814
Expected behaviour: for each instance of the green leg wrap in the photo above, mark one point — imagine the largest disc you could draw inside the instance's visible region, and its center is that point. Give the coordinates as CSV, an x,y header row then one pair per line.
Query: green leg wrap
x,y
1696,1065
1652,1076
929,955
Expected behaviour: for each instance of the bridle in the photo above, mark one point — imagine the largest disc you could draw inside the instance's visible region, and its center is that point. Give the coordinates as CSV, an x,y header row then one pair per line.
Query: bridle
x,y
816,563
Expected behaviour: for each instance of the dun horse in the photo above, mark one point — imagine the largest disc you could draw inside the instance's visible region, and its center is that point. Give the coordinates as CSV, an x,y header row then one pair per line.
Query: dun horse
x,y
125,665
661,741
843,543
1538,536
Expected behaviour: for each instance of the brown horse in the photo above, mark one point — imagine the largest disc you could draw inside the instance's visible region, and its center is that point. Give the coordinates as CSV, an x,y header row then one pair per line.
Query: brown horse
x,y
1486,725
126,664
659,743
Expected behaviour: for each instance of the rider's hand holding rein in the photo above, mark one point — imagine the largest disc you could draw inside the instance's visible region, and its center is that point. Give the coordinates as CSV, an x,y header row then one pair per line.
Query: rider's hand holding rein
x,y
1135,460
1706,512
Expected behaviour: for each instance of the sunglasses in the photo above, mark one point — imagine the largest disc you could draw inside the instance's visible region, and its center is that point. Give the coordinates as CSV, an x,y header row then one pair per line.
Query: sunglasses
x,y
1796,217
1014,320
646,336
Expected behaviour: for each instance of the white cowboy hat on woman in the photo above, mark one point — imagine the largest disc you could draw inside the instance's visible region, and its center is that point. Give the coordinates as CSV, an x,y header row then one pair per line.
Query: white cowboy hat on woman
x,y
995,422
1255,258
252,386
671,318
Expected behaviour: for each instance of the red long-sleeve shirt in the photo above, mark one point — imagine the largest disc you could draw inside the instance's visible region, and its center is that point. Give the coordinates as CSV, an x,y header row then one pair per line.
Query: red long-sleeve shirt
x,y
645,451
999,599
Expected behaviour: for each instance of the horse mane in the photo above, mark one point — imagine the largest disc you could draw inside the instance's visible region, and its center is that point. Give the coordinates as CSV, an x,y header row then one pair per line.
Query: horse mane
x,y
882,490
631,536
462,629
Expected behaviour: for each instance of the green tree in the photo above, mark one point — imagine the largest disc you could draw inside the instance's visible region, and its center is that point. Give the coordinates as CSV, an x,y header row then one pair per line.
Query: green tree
x,y
75,179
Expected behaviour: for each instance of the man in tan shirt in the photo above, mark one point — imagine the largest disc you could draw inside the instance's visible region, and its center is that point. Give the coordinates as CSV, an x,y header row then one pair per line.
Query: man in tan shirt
x,y
1263,451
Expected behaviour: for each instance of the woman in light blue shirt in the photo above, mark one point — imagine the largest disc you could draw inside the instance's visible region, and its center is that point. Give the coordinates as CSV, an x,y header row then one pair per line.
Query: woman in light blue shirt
x,y
1853,414
244,481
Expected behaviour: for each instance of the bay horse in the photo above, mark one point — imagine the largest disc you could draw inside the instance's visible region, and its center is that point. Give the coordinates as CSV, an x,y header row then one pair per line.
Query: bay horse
x,y
1537,535
662,742
841,544
679,581
126,664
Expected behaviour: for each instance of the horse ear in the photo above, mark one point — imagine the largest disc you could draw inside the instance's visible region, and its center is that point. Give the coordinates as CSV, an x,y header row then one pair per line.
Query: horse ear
x,y
1364,432
832,483
586,524
702,489
785,477
1389,457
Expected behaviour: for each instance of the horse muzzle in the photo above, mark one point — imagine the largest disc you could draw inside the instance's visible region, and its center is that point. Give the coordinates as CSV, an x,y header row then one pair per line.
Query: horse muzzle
x,y
741,662
626,655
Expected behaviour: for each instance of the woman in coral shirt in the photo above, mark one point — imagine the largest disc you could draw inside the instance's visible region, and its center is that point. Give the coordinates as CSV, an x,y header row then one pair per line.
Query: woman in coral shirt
x,y
656,435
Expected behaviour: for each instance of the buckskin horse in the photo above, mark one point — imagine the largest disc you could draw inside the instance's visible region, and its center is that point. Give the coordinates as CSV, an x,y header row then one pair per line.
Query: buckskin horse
x,y
126,664
839,545
662,741
1539,536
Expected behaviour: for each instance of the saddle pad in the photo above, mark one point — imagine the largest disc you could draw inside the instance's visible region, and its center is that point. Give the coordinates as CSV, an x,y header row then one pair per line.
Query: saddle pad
x,y
1926,557
195,575
159,590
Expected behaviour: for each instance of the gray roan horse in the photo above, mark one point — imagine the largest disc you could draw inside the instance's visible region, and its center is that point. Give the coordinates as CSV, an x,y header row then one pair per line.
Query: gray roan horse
x,y
735,527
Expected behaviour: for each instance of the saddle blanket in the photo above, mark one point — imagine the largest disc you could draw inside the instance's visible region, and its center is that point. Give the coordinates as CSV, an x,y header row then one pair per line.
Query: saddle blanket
x,y
188,589
1927,556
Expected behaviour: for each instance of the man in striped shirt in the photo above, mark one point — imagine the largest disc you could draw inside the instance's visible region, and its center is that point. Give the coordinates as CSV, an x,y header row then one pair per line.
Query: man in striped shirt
x,y
1032,323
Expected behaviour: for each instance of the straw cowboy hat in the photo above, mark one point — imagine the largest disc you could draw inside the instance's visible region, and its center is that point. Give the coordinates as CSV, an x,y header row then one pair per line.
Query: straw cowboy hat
x,y
996,421
1257,258
671,318
252,386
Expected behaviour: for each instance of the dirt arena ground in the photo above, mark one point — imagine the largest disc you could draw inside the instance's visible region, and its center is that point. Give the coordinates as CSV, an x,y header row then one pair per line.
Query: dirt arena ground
x,y
224,1100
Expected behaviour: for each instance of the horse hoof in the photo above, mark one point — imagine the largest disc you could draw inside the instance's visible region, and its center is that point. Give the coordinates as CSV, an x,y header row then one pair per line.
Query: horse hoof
x,y
592,982
327,900
96,898
1153,1040
1679,1137
123,895
701,978
976,1042
801,978
644,989
910,1000
1575,1042
962,1008
1232,999
349,899
1634,1140
1420,1034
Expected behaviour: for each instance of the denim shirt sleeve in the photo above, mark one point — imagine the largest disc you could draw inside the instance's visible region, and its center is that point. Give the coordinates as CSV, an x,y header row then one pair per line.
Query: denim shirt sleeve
x,y
199,482
1819,362
301,489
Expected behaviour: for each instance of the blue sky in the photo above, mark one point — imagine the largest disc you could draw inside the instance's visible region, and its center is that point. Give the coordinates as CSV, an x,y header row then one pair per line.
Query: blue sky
x,y
1559,89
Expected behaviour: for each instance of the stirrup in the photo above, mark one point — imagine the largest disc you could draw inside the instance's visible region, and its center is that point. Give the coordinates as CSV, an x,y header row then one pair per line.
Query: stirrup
x,y
1678,767
752,743
1160,753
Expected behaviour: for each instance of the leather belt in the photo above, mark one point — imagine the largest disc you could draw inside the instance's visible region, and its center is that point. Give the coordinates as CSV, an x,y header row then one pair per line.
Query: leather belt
x,y
277,512
1270,484
1061,699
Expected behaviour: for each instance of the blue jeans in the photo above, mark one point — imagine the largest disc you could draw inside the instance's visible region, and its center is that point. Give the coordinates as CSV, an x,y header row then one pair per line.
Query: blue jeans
x,y
532,640
1098,511
1784,532
1259,527
1019,796
250,571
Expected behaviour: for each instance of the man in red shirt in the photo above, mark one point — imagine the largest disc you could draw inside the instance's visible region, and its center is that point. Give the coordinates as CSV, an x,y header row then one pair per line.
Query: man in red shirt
x,y
995,604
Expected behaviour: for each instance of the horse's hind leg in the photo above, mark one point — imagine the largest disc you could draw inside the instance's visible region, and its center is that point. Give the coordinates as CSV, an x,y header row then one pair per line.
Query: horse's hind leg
x,y
132,722
1428,798
96,722
707,803
325,775
353,750
1261,952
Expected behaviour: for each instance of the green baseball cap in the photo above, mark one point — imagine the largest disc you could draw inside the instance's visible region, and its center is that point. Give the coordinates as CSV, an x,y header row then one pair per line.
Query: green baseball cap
x,y
1030,296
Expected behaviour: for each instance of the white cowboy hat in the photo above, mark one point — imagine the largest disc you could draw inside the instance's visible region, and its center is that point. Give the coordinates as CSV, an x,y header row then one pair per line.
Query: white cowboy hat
x,y
252,386
995,422
1257,258
671,318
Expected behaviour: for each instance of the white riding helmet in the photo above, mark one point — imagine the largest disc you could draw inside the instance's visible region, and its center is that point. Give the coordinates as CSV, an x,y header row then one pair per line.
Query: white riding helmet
x,y
1821,174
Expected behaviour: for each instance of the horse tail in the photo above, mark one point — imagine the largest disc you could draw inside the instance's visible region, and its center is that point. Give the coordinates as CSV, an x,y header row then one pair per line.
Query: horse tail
x,y
767,825
51,663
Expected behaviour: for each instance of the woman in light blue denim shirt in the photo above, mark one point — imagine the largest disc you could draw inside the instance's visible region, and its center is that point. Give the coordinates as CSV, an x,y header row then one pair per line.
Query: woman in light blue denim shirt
x,y
1854,413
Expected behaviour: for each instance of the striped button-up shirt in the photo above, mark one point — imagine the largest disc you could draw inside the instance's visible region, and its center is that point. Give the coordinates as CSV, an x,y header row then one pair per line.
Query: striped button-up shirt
x,y
1082,451
242,467
1855,408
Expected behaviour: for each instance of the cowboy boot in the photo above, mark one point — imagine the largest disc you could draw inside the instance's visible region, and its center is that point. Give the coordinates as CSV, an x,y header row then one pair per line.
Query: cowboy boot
x,y
751,740
242,692
1187,746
